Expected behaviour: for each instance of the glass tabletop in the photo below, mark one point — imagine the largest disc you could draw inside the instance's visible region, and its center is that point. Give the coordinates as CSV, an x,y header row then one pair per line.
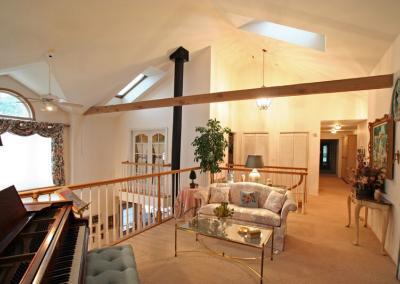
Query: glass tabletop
x,y
229,230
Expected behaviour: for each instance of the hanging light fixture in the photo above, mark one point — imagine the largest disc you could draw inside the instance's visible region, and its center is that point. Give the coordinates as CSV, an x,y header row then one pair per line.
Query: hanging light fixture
x,y
263,103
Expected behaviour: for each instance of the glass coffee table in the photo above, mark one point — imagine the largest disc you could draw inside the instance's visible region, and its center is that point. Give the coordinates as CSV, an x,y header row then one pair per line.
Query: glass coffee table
x,y
229,230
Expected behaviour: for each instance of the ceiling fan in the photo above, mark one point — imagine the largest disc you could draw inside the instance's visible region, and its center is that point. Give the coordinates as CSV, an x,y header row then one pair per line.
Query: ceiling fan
x,y
49,101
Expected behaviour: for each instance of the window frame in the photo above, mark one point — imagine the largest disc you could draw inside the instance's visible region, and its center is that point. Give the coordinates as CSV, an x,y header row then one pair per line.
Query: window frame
x,y
24,100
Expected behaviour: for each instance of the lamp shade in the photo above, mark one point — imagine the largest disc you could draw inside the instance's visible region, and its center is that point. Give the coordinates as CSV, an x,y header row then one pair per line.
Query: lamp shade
x,y
254,162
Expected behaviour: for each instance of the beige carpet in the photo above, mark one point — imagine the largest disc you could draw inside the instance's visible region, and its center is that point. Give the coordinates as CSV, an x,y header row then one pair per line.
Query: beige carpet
x,y
318,250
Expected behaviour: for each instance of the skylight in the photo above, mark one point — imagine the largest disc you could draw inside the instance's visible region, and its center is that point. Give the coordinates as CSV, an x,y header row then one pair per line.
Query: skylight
x,y
138,86
131,85
286,33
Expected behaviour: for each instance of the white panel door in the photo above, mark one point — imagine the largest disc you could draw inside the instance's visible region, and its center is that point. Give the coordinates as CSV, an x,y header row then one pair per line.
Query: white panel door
x,y
255,144
300,150
285,150
293,150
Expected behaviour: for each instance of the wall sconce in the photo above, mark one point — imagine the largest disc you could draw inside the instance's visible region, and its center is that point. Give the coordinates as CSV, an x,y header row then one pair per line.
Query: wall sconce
x,y
397,156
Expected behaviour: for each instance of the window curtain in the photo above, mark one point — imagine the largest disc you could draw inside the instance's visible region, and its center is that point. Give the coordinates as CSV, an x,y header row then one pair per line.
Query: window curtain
x,y
45,129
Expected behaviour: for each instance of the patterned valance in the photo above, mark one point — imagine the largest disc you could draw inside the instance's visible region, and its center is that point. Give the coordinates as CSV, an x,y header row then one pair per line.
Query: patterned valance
x,y
45,129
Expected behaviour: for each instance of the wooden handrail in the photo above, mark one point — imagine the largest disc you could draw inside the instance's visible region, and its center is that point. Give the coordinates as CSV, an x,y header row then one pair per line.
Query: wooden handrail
x,y
29,193
270,167
265,171
146,164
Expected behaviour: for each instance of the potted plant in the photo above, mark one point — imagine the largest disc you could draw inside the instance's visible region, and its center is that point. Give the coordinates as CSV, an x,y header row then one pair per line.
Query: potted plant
x,y
222,211
192,176
210,146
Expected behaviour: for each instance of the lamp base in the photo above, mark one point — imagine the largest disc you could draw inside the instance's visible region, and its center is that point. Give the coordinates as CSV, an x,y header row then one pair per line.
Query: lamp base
x,y
254,176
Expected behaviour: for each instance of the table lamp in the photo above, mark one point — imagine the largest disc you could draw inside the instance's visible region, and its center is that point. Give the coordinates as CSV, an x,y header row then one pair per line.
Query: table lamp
x,y
254,162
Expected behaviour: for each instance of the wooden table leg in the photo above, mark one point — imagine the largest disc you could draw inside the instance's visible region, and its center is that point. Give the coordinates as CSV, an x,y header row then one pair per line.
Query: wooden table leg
x,y
348,211
366,217
357,223
175,239
385,217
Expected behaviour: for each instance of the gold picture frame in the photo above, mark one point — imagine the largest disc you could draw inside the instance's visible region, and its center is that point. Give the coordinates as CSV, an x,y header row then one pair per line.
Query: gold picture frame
x,y
381,144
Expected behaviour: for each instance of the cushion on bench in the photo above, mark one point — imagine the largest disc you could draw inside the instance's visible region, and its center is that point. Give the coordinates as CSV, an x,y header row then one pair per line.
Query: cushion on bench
x,y
112,265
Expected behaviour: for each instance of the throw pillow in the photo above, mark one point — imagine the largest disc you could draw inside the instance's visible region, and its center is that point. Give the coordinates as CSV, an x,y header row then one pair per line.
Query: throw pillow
x,y
219,194
249,199
274,201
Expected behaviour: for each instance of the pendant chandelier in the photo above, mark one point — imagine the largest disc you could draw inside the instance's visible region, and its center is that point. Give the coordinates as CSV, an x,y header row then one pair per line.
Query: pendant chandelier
x,y
263,103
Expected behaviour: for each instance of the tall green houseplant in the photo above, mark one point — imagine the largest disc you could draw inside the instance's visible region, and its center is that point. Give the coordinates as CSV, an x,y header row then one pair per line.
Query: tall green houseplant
x,y
210,146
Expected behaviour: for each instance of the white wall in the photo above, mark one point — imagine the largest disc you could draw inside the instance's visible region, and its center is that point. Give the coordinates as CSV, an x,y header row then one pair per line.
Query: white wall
x,y
379,104
296,114
93,147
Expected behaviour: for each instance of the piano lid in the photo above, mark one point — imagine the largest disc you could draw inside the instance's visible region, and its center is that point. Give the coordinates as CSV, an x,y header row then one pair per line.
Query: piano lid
x,y
12,210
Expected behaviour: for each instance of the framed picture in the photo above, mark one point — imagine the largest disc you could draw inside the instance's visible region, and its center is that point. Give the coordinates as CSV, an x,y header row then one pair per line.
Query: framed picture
x,y
381,144
396,101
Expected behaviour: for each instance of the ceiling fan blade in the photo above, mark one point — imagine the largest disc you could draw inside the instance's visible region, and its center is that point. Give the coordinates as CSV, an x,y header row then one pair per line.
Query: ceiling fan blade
x,y
34,99
65,103
50,96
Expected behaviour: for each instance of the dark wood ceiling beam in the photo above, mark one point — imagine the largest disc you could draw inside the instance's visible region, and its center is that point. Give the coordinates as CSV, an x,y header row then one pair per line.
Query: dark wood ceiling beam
x,y
324,87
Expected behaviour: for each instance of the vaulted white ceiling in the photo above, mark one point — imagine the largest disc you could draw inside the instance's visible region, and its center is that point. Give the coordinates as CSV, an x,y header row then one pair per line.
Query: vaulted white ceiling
x,y
101,45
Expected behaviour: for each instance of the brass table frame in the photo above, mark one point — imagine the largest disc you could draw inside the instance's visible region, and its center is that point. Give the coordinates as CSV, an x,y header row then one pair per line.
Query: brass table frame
x,y
223,255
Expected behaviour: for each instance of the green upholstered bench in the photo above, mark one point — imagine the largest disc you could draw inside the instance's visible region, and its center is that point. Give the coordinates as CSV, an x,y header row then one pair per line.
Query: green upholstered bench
x,y
112,265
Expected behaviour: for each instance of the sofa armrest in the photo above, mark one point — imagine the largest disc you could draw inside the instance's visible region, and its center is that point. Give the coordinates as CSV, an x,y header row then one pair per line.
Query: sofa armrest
x,y
289,205
203,195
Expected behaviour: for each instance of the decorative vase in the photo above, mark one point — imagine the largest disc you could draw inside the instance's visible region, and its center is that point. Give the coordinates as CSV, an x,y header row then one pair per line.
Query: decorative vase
x,y
377,195
364,192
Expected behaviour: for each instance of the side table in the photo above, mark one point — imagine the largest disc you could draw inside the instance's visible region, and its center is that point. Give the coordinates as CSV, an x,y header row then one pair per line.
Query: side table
x,y
383,206
187,201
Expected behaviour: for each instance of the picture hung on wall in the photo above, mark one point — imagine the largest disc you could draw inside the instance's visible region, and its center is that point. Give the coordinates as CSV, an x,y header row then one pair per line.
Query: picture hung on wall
x,y
381,144
396,101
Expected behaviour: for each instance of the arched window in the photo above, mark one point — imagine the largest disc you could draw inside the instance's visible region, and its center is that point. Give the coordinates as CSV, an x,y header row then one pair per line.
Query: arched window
x,y
13,105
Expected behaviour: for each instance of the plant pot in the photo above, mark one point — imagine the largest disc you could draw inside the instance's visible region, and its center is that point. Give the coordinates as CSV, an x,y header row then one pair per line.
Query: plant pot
x,y
192,185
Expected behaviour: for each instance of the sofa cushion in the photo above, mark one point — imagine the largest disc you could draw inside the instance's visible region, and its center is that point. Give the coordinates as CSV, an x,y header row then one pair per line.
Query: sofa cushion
x,y
249,199
219,194
111,265
252,215
274,201
262,189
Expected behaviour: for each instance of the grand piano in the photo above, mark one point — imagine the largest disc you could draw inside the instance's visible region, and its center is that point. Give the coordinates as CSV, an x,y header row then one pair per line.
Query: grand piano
x,y
40,242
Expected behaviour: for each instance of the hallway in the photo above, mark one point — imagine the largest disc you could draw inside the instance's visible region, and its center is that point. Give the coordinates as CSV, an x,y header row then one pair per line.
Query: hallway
x,y
318,250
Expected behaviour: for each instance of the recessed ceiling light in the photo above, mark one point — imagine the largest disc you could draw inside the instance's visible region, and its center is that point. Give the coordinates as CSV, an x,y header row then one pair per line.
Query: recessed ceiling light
x,y
338,126
333,131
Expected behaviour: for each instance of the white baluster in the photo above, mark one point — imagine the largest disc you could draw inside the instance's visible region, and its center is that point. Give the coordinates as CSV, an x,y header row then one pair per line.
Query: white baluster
x,y
90,219
106,218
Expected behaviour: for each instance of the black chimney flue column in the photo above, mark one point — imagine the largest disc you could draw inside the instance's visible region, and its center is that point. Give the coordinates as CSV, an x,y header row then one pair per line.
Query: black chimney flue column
x,y
180,56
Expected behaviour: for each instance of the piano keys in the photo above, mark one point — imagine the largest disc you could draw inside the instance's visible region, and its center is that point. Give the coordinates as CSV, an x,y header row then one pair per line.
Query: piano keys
x,y
44,244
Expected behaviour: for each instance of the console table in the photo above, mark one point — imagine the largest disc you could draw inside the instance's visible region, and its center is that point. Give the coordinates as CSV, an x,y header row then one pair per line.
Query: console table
x,y
383,206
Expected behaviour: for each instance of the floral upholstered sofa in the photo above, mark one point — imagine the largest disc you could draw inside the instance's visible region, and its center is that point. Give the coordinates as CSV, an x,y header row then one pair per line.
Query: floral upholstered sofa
x,y
267,210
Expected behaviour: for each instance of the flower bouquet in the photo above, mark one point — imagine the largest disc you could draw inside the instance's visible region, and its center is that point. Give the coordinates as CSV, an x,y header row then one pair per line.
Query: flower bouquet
x,y
368,179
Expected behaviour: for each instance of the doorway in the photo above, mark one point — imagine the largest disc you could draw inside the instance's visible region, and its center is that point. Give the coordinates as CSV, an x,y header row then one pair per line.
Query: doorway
x,y
328,157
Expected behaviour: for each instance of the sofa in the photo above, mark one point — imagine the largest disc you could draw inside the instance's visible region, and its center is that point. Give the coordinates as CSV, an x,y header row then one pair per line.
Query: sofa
x,y
258,216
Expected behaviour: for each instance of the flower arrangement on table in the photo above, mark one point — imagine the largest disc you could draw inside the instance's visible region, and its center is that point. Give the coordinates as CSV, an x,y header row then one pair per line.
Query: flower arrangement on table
x,y
368,181
223,211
